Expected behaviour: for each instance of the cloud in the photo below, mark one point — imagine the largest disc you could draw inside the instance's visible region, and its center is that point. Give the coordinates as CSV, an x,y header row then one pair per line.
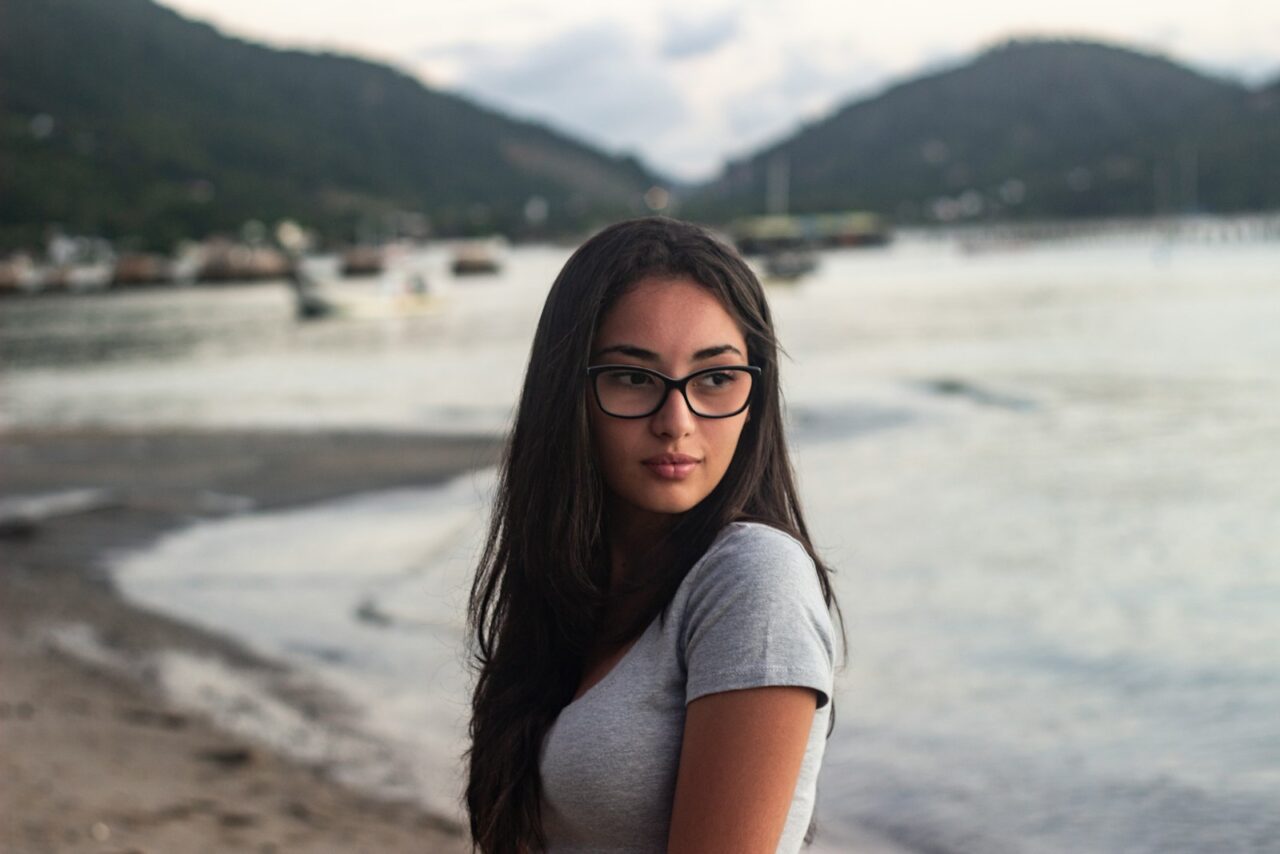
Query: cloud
x,y
686,93
599,82
686,38
803,90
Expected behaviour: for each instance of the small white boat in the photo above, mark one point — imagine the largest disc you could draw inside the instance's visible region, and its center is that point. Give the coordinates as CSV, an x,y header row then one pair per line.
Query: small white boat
x,y
76,265
403,289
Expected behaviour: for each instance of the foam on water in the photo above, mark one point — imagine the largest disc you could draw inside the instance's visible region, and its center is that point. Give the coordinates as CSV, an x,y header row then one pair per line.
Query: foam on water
x,y
366,594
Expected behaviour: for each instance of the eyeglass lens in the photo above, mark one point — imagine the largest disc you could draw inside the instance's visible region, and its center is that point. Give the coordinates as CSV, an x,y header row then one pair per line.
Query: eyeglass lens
x,y
630,393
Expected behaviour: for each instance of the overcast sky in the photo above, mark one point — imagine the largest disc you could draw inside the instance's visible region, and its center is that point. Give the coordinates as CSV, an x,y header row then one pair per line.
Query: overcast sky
x,y
686,84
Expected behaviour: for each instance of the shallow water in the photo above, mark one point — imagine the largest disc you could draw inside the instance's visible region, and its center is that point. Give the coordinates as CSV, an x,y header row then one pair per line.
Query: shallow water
x,y
1047,479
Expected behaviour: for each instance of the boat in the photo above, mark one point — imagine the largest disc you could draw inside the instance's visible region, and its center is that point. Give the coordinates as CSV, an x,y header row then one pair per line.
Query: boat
x,y
760,235
790,264
141,268
363,260
80,277
19,275
476,258
78,264
227,261
402,289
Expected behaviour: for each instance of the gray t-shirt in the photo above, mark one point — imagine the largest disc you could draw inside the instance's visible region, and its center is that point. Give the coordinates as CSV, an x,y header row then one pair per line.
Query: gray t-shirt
x,y
749,613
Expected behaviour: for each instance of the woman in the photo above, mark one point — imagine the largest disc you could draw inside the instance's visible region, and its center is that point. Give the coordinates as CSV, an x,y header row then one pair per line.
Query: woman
x,y
652,627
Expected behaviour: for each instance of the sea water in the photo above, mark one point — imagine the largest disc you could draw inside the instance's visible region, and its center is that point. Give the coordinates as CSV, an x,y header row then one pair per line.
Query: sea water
x,y
1048,480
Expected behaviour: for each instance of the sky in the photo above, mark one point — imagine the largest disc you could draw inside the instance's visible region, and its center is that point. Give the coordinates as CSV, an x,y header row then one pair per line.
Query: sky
x,y
688,84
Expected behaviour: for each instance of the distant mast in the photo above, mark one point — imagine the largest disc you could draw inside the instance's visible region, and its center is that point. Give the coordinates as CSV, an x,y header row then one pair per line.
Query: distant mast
x,y
1189,161
777,184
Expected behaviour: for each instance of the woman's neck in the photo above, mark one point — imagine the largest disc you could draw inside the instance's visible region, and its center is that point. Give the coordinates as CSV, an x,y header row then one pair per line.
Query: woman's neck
x,y
632,534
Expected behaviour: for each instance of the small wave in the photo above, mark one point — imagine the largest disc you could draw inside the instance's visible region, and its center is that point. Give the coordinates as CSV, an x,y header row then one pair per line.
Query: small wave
x,y
813,424
953,387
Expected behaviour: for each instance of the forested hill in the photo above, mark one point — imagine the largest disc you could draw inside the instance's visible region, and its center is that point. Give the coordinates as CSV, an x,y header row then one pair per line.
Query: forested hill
x,y
1028,129
122,118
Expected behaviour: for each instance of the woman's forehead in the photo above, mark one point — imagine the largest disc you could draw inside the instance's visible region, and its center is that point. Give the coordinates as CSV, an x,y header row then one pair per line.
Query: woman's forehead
x,y
676,314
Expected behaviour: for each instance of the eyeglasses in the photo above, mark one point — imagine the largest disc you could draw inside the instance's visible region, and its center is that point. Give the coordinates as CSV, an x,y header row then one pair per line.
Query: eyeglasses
x,y
627,391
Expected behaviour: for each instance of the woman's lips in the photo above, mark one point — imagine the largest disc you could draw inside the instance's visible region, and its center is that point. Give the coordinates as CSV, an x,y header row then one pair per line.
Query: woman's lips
x,y
671,466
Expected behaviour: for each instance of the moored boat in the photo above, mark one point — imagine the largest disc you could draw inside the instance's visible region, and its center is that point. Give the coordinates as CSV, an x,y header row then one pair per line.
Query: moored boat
x,y
759,235
141,268
476,258
362,260
790,264
224,261
19,275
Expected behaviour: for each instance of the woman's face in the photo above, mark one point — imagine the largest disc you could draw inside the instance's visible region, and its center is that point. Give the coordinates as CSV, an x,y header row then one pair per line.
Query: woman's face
x,y
669,461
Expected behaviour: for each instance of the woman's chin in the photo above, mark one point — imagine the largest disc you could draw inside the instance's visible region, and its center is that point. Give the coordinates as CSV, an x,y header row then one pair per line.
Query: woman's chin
x,y
669,500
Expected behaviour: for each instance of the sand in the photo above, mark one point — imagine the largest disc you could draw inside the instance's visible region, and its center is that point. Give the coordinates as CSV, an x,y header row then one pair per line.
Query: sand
x,y
94,757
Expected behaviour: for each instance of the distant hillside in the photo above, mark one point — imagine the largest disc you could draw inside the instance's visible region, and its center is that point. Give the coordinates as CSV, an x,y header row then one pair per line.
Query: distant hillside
x,y
1028,129
120,117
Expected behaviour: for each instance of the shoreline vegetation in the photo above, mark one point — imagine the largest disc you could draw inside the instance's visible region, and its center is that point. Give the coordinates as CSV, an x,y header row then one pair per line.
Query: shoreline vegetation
x,y
95,755
103,139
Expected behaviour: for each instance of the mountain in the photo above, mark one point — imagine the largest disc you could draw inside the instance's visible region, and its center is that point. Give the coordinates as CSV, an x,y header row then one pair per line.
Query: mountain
x,y
123,118
1027,129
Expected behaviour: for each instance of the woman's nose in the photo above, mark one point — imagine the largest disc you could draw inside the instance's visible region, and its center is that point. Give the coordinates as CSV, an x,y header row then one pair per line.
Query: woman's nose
x,y
674,418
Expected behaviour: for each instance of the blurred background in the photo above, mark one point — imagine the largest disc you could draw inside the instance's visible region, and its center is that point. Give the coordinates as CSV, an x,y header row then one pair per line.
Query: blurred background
x,y
269,274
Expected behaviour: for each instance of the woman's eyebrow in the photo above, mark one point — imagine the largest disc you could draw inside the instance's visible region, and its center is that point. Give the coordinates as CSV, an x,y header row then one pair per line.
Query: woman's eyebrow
x,y
709,352
628,350
649,356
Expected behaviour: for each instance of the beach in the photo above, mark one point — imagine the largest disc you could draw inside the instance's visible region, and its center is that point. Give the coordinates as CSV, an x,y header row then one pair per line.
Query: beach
x,y
94,756
1040,474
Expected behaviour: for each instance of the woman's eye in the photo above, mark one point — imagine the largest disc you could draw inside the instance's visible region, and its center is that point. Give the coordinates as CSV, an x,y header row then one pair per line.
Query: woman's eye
x,y
717,380
631,378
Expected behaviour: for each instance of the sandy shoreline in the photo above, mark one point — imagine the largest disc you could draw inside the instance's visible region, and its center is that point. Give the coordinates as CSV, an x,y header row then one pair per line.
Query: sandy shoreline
x,y
95,759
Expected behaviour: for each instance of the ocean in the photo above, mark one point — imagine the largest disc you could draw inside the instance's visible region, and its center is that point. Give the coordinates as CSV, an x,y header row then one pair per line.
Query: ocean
x,y
1047,476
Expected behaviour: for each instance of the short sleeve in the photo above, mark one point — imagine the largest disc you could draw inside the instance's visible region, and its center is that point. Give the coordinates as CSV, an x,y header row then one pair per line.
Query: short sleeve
x,y
755,617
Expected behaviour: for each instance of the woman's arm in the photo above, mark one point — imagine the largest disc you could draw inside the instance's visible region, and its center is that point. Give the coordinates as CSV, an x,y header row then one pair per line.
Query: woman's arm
x,y
739,763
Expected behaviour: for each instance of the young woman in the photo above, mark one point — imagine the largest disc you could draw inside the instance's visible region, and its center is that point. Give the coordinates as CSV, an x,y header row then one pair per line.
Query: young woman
x,y
653,635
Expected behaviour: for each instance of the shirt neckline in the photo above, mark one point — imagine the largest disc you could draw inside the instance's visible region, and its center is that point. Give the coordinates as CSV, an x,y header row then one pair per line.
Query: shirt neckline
x,y
617,665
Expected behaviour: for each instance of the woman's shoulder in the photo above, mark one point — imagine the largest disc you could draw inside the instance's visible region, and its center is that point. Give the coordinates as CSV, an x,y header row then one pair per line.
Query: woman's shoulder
x,y
757,544
754,560
750,530
752,612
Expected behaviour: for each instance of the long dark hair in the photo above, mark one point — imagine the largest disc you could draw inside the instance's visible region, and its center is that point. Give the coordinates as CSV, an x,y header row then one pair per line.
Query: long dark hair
x,y
543,577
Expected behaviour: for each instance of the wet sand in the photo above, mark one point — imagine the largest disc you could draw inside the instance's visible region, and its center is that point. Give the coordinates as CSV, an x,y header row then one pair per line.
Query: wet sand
x,y
92,756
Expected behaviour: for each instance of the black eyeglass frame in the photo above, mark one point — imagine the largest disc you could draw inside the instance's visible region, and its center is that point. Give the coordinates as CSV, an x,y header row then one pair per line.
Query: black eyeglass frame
x,y
679,384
